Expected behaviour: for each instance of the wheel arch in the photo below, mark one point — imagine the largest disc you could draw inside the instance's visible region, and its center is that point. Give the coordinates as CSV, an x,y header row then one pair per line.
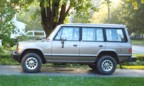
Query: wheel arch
x,y
111,53
37,51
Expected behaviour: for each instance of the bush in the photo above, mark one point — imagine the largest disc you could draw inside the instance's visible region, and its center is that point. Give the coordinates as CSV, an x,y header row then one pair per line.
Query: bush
x,y
139,61
1,50
6,59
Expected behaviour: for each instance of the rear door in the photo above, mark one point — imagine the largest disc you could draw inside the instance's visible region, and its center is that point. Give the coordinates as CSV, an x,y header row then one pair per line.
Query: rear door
x,y
116,40
92,42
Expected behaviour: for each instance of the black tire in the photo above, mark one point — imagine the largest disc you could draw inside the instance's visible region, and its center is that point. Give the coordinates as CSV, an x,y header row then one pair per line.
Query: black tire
x,y
93,66
106,65
31,63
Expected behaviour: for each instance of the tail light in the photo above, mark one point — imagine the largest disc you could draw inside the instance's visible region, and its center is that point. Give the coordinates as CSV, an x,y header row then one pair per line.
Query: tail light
x,y
130,50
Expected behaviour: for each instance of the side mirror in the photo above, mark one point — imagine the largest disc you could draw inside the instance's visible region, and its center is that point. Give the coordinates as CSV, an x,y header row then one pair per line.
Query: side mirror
x,y
63,41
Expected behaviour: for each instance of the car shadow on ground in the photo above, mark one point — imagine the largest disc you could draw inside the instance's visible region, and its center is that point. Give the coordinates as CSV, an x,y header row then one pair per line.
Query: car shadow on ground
x,y
68,70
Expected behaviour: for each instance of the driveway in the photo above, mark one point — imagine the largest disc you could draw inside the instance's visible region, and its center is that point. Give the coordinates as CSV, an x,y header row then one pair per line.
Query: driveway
x,y
61,71
138,49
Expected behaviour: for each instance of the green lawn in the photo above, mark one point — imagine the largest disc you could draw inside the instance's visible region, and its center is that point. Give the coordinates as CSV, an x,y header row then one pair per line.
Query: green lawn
x,y
138,42
138,55
69,81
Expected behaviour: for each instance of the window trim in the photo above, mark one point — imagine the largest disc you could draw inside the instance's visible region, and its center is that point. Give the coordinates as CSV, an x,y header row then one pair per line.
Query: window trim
x,y
103,30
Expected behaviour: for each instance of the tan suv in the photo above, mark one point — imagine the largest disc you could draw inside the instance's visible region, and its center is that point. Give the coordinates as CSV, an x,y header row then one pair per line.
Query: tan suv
x,y
101,46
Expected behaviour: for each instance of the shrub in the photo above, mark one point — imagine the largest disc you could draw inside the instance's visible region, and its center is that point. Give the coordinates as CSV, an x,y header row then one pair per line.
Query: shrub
x,y
139,61
6,59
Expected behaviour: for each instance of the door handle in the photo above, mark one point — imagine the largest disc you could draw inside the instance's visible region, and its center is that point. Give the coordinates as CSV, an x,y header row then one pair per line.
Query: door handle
x,y
100,45
75,45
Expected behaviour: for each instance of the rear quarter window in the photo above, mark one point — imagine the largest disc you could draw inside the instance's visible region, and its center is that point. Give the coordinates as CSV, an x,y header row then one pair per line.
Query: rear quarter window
x,y
115,35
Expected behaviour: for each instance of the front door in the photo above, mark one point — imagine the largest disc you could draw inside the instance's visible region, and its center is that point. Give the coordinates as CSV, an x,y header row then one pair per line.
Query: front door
x,y
65,45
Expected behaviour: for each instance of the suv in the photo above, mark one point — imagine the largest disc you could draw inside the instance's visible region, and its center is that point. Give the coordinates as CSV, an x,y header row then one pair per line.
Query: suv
x,y
101,46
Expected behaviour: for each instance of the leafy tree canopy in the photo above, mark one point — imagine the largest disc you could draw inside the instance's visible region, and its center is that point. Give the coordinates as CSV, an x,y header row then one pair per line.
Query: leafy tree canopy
x,y
54,12
7,11
135,3
124,13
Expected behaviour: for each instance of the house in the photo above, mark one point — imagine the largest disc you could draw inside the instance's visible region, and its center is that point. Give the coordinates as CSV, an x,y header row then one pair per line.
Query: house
x,y
19,28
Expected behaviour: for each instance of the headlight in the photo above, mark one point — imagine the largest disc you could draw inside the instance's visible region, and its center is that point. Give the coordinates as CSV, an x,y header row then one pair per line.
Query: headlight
x,y
19,48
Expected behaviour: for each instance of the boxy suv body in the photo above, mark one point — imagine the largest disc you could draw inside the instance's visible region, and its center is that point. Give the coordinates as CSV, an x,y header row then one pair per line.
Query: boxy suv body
x,y
101,46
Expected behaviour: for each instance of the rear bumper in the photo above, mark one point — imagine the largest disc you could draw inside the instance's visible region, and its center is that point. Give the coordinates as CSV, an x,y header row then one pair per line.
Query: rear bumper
x,y
132,59
126,59
16,56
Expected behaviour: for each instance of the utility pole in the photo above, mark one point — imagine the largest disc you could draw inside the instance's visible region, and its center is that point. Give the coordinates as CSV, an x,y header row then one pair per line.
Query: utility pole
x,y
108,2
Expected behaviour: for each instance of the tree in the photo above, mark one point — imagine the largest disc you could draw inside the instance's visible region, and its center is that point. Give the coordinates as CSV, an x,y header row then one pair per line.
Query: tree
x,y
125,13
54,12
133,18
135,3
100,16
7,11
31,17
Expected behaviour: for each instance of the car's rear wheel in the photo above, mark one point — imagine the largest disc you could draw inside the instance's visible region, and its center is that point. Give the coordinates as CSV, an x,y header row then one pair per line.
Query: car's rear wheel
x,y
31,63
106,65
93,66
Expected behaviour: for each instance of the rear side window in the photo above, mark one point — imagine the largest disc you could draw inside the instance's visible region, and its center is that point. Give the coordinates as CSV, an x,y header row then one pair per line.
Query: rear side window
x,y
92,34
39,33
115,35
29,33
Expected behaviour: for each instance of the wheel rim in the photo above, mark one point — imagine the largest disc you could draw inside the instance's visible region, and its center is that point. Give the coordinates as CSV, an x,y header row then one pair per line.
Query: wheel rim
x,y
31,63
107,65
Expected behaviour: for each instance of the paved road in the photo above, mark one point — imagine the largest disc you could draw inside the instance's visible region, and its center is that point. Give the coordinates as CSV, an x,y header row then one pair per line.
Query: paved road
x,y
61,71
138,49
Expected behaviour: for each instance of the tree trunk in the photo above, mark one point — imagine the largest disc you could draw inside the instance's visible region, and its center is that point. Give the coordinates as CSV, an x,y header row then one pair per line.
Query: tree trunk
x,y
51,16
46,19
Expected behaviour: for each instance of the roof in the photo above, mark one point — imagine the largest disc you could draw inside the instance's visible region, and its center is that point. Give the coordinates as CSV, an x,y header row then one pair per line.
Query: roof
x,y
95,25
35,31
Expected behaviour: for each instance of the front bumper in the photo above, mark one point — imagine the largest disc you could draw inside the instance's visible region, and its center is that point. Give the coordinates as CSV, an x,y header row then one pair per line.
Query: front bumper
x,y
16,56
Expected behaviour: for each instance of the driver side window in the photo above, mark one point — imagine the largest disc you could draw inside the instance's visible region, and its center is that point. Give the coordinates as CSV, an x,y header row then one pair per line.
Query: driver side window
x,y
68,33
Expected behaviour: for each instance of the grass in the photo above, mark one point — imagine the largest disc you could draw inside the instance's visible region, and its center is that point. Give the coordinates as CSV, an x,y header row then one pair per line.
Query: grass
x,y
138,42
69,81
138,55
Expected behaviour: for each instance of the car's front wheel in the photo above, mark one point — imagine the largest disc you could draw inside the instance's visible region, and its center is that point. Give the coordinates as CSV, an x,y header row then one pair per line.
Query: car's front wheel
x,y
106,65
31,63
